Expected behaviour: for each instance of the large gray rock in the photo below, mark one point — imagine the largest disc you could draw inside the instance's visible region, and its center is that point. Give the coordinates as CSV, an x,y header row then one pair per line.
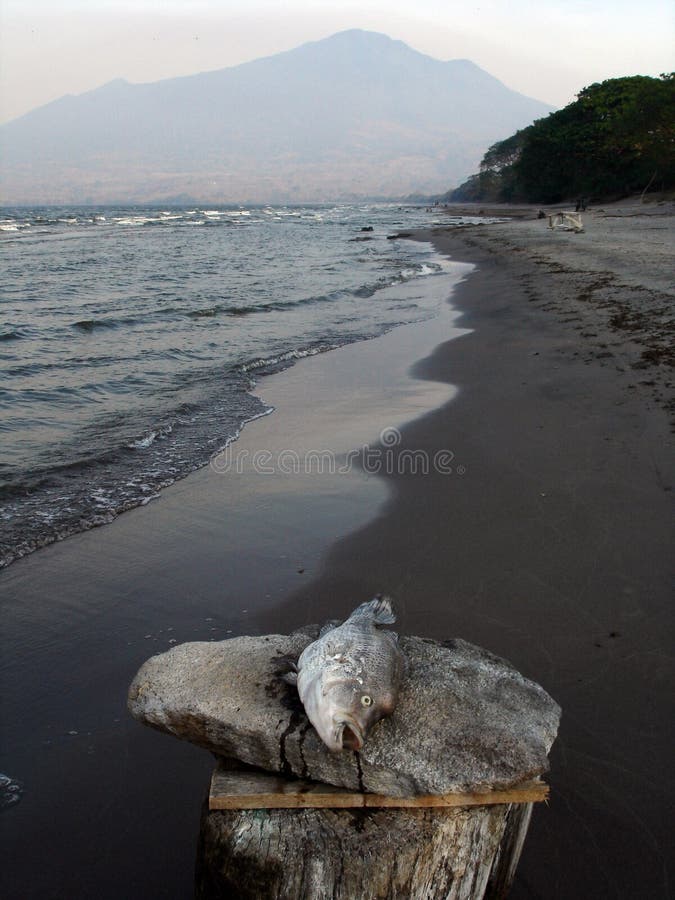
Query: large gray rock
x,y
465,720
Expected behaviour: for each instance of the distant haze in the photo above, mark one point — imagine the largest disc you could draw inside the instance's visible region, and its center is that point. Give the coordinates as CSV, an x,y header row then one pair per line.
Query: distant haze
x,y
357,115
549,49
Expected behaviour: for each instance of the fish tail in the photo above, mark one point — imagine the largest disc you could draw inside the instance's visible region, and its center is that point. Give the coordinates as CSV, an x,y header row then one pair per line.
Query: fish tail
x,y
378,610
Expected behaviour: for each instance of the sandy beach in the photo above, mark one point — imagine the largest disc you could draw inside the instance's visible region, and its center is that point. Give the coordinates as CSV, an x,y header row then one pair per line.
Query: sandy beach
x,y
543,533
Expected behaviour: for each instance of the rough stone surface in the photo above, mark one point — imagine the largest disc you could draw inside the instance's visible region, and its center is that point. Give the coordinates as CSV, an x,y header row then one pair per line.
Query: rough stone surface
x,y
465,720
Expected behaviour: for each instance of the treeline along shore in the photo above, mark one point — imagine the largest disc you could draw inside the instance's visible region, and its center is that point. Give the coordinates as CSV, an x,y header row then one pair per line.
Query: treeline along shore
x,y
616,138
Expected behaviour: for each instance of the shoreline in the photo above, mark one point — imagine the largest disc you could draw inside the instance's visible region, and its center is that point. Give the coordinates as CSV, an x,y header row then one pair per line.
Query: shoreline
x,y
37,524
551,550
116,423
209,559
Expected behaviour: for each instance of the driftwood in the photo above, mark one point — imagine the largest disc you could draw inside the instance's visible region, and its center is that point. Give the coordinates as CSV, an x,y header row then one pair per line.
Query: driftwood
x,y
460,853
565,221
236,789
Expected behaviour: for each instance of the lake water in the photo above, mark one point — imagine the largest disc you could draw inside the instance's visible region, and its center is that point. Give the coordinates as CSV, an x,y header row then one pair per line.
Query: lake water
x,y
131,338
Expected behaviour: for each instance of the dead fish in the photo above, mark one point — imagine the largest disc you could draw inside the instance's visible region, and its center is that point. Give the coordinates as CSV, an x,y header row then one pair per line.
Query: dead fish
x,y
348,679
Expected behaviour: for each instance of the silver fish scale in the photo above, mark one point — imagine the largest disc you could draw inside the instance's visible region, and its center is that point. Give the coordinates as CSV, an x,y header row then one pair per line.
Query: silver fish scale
x,y
356,658
352,651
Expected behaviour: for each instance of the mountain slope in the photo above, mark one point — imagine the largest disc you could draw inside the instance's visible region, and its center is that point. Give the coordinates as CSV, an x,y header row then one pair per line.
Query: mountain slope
x,y
356,114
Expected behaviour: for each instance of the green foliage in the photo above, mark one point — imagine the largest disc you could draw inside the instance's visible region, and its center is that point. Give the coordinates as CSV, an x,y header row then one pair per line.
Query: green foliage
x,y
616,138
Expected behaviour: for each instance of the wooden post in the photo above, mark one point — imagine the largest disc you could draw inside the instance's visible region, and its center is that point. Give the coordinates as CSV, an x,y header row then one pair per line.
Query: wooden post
x,y
266,837
435,806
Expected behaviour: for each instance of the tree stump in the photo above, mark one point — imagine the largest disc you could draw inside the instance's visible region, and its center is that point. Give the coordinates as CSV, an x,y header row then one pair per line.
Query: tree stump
x,y
455,853
435,805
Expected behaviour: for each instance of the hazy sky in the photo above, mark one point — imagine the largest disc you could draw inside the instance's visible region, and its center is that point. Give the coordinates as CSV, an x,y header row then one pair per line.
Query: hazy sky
x,y
548,49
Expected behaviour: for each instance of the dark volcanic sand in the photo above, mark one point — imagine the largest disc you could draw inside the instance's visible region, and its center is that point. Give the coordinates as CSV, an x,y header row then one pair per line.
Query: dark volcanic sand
x,y
551,549
554,549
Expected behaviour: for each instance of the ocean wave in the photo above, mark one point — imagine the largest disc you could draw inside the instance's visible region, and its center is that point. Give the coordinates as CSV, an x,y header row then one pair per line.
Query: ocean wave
x,y
208,313
167,311
218,309
136,220
90,325
11,791
270,363
91,490
22,487
158,434
363,292
142,318
406,274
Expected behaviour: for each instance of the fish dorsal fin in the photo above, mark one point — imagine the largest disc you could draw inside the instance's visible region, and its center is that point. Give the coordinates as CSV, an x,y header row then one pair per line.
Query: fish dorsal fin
x,y
378,610
329,626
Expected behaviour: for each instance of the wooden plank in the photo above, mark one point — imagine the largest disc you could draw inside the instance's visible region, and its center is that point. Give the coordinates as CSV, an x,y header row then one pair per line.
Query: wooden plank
x,y
253,790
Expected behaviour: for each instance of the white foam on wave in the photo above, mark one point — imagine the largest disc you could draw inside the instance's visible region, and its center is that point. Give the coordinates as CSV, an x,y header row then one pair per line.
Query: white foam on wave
x,y
101,498
144,442
149,439
136,220
419,271
11,790
236,434
286,357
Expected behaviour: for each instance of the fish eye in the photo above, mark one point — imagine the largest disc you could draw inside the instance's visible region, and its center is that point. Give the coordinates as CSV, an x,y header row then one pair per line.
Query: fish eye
x,y
366,700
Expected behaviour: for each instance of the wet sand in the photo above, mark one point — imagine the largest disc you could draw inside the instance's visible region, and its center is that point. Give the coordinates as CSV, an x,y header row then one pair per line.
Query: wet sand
x,y
543,534
554,548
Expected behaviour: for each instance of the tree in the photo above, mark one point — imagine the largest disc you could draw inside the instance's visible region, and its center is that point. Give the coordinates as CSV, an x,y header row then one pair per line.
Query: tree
x,y
617,137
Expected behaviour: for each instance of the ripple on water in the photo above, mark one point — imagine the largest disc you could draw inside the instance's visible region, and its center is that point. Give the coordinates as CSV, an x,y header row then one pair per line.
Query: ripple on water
x,y
11,791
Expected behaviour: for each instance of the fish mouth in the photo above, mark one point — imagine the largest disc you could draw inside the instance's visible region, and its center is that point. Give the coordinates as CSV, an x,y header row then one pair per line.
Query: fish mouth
x,y
349,736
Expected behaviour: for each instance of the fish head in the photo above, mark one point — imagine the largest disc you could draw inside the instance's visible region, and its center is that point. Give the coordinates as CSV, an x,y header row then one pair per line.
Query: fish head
x,y
344,710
